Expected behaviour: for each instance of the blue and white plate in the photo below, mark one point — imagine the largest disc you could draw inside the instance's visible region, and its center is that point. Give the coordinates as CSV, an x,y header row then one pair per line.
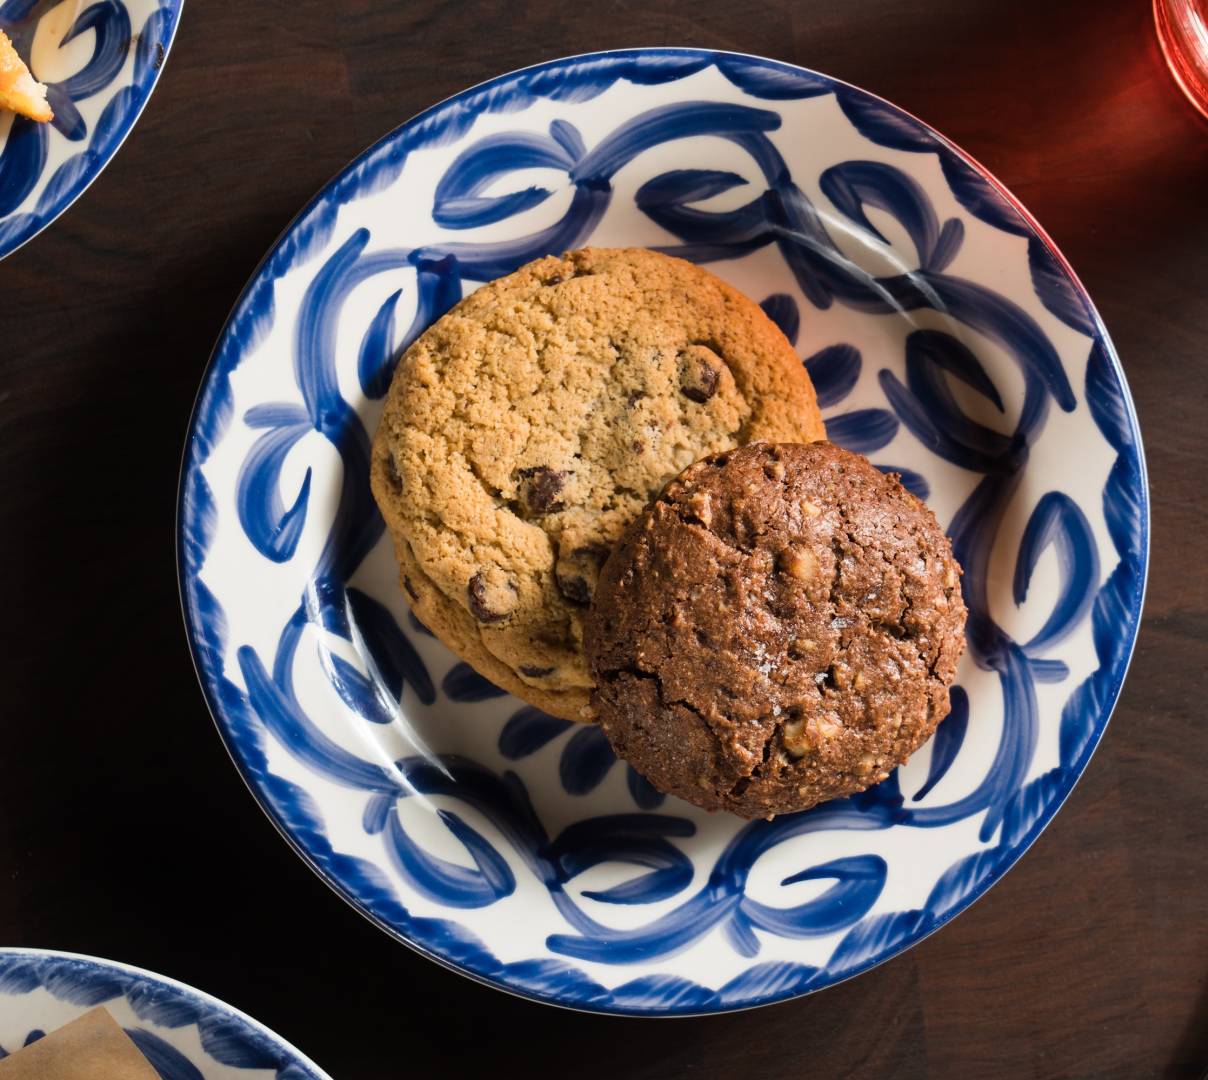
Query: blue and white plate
x,y
185,1034
100,60
948,340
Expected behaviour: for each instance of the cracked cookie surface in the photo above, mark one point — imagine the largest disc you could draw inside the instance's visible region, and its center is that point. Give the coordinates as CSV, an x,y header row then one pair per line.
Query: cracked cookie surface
x,y
529,426
780,628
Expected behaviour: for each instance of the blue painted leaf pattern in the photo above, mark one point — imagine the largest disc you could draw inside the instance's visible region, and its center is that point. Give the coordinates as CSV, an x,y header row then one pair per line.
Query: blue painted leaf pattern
x,y
863,430
463,683
783,311
683,186
490,880
979,196
947,244
1056,291
768,982
775,84
869,940
949,738
1028,804
374,364
644,793
882,123
1058,522
834,371
585,761
528,731
959,883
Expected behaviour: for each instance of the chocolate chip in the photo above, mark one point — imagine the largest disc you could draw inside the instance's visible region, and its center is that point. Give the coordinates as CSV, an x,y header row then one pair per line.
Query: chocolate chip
x,y
534,672
555,279
477,592
576,572
633,397
410,588
699,373
638,446
392,475
575,589
540,488
490,602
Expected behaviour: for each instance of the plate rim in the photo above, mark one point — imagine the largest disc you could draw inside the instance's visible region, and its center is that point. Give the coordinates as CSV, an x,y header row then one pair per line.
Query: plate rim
x,y
92,174
192,620
182,989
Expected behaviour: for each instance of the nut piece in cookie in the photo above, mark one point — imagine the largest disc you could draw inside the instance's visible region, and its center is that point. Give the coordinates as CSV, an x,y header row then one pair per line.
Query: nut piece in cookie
x,y
780,627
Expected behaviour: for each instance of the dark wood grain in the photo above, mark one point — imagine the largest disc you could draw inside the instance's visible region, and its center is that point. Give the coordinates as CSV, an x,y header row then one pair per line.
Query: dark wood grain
x,y
124,830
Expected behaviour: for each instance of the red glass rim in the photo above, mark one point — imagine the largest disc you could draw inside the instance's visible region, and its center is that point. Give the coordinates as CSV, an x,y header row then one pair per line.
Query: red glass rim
x,y
1184,40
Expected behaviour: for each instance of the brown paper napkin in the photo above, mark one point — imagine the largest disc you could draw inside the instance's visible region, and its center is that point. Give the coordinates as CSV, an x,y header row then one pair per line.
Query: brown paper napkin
x,y
91,1047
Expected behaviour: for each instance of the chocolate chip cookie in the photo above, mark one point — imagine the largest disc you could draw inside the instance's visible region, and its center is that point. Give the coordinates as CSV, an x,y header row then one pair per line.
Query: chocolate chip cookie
x,y
780,628
531,424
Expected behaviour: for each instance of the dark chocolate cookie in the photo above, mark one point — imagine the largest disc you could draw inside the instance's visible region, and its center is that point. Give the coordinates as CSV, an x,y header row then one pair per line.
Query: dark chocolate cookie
x,y
779,628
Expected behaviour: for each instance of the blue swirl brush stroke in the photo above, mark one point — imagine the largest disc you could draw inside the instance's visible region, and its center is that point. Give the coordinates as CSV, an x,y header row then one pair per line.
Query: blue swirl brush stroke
x,y
922,405
24,156
227,1038
458,203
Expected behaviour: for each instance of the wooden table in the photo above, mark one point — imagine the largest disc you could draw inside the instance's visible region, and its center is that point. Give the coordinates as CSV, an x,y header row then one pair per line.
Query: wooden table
x,y
124,830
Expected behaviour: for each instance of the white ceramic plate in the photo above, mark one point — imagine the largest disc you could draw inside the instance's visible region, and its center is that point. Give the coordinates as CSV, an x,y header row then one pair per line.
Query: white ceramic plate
x,y
948,340
100,60
183,1033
